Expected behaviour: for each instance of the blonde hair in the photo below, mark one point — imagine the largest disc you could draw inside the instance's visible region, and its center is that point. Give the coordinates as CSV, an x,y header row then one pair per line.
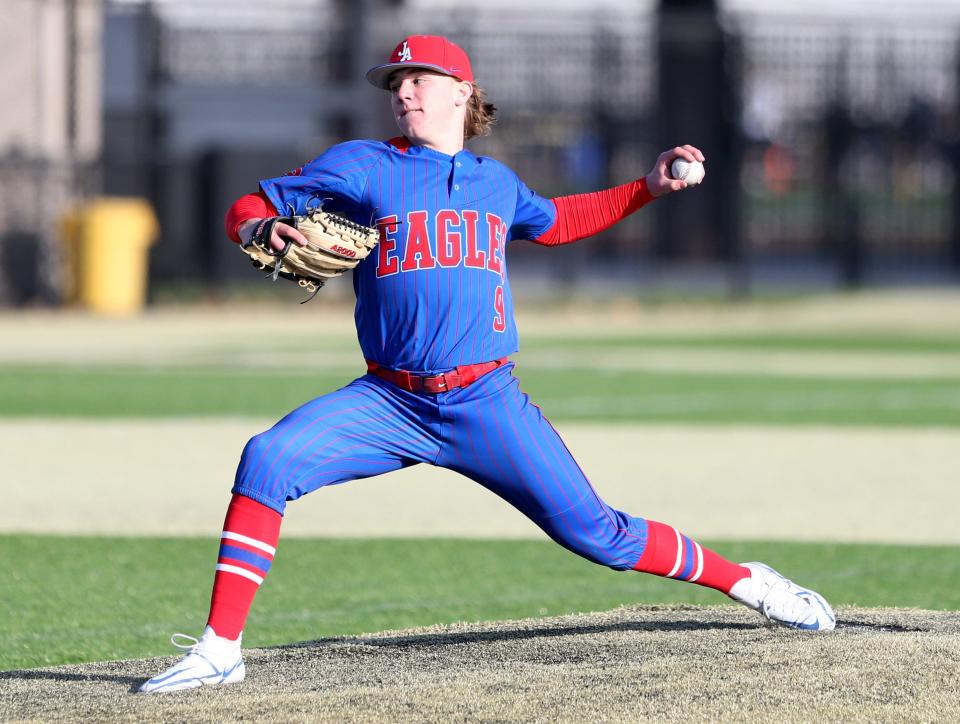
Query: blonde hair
x,y
481,114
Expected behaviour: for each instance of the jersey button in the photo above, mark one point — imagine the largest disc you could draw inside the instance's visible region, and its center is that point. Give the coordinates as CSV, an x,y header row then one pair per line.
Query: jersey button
x,y
456,187
459,164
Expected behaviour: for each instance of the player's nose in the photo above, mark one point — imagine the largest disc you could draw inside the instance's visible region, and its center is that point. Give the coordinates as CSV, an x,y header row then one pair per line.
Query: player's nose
x,y
404,88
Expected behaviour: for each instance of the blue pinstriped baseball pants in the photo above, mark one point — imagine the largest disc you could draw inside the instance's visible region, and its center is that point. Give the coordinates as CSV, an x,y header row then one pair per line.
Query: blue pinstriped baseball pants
x,y
489,432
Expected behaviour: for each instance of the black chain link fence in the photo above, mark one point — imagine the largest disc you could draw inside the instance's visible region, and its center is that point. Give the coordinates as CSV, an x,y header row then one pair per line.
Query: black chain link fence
x,y
833,145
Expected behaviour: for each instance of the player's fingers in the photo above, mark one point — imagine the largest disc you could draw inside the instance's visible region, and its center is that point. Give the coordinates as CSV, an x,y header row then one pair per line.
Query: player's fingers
x,y
697,153
276,241
666,158
684,152
284,232
662,166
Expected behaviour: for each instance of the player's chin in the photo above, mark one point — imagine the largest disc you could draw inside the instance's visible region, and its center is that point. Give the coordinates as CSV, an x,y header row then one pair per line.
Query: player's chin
x,y
406,125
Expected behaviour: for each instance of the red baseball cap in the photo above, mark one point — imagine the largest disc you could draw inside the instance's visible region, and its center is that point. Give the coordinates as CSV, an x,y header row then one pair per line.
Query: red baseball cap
x,y
423,51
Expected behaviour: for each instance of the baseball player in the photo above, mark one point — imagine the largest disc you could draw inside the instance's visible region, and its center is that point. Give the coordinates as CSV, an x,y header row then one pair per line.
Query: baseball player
x,y
434,318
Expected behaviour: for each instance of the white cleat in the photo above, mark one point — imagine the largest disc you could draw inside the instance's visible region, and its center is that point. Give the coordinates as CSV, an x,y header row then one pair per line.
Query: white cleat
x,y
211,660
782,600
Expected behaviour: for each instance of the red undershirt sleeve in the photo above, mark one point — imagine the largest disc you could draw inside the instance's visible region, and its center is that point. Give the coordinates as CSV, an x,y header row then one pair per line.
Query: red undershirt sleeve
x,y
251,206
584,215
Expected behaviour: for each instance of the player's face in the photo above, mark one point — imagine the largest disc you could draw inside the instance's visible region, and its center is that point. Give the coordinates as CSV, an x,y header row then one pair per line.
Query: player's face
x,y
428,106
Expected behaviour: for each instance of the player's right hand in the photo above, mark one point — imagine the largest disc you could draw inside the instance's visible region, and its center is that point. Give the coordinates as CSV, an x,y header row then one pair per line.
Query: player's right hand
x,y
659,180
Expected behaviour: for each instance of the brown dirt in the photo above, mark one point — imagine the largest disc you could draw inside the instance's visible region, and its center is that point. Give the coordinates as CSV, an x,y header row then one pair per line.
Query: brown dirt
x,y
669,663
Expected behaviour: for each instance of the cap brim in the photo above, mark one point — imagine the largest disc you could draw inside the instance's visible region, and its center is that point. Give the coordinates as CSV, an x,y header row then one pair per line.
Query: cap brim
x,y
380,75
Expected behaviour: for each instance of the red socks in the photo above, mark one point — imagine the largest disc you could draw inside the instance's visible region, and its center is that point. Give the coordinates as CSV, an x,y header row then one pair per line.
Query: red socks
x,y
251,531
671,554
247,546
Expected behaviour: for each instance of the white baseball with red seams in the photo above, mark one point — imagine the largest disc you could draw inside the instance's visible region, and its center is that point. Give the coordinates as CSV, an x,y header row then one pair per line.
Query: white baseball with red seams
x,y
691,172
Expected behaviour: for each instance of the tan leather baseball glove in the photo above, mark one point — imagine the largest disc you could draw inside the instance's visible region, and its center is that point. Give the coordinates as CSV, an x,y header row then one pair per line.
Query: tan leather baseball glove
x,y
335,245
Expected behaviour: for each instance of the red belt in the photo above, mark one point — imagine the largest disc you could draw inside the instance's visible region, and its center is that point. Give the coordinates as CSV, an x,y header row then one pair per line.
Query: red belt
x,y
435,384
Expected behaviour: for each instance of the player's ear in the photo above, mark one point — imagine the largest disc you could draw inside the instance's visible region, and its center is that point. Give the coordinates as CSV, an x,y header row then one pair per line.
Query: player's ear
x,y
464,91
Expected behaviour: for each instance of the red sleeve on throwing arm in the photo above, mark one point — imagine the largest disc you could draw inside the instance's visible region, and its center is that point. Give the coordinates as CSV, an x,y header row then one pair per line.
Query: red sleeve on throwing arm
x,y
251,206
584,215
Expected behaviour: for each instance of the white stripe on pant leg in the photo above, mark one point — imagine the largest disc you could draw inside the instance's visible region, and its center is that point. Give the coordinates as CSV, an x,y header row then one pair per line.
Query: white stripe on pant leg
x,y
227,568
699,555
676,566
250,542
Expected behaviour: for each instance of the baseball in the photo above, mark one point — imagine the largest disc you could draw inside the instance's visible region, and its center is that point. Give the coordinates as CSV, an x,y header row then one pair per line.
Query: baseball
x,y
691,172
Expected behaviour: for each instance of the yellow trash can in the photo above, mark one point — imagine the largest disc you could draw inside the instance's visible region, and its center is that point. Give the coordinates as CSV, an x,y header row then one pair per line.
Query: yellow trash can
x,y
112,236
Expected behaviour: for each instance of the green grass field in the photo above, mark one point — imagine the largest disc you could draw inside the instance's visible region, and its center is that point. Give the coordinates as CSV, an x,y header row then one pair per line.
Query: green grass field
x,y
569,394
83,599
89,599
212,381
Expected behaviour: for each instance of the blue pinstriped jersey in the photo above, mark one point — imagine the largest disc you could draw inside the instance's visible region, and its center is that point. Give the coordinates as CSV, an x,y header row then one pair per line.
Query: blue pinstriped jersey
x,y
434,294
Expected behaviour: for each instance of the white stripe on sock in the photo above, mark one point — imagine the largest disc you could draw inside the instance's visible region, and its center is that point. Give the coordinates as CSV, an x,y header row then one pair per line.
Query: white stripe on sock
x,y
699,562
250,542
227,568
676,566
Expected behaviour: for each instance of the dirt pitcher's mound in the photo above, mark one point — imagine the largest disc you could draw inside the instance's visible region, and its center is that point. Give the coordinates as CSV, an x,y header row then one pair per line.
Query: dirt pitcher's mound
x,y
635,663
